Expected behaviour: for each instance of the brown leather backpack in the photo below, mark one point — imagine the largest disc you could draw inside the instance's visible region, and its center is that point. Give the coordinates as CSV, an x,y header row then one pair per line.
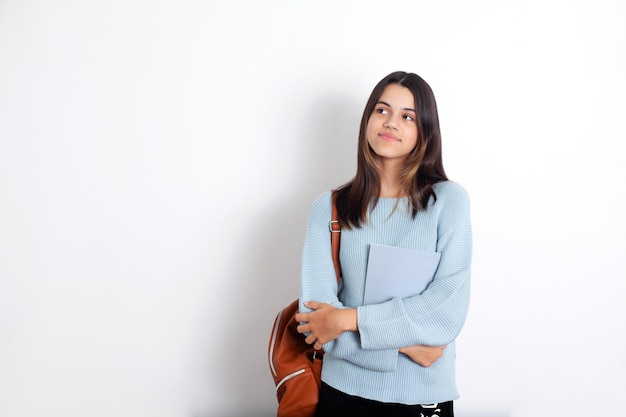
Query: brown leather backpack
x,y
296,366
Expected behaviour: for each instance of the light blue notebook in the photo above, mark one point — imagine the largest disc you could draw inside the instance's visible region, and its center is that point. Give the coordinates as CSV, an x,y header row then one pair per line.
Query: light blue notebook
x,y
398,272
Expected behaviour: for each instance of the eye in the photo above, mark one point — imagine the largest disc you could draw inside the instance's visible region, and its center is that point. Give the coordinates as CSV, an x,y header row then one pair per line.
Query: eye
x,y
380,110
409,118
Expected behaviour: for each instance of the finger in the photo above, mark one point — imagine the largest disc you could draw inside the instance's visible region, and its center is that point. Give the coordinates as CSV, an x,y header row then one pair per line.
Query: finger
x,y
303,328
301,317
310,339
313,305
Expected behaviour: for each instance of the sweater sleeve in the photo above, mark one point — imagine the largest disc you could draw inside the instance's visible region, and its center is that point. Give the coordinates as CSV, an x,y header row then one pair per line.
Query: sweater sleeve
x,y
319,283
436,316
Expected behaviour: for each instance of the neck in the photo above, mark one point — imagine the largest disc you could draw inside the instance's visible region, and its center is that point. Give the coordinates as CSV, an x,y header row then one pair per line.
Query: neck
x,y
390,185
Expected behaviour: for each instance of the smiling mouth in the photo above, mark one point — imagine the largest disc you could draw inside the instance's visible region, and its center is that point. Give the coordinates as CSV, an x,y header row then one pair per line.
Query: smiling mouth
x,y
388,138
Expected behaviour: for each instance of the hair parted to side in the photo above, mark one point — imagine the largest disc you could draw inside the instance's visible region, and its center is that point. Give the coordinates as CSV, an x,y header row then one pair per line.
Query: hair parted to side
x,y
423,166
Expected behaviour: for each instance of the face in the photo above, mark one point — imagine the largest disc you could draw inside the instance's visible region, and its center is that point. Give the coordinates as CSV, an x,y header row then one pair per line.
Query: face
x,y
392,127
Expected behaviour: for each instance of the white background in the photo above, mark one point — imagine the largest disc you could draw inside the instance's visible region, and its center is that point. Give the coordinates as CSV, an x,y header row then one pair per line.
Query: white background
x,y
158,160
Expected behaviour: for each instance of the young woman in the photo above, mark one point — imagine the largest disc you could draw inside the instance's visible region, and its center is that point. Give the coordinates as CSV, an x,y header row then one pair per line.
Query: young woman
x,y
394,358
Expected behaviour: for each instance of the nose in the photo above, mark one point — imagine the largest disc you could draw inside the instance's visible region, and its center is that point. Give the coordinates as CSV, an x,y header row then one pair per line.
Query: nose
x,y
390,123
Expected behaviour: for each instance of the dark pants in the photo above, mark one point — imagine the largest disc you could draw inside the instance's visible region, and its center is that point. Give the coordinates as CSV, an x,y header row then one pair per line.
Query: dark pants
x,y
334,403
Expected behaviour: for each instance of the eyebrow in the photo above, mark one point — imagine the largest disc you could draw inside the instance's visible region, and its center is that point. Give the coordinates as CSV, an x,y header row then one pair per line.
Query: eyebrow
x,y
389,105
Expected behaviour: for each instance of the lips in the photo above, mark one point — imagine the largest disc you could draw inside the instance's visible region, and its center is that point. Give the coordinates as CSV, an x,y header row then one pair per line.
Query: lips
x,y
388,137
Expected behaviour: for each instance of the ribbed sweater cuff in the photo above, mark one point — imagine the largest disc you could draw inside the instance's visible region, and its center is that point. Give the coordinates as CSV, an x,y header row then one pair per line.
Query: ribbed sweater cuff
x,y
378,320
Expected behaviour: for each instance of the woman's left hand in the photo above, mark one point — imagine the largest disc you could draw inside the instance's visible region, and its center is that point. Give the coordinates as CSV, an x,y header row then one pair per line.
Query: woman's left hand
x,y
325,323
423,355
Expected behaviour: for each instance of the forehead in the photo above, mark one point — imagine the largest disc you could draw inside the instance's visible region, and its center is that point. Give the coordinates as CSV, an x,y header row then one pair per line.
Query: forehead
x,y
398,96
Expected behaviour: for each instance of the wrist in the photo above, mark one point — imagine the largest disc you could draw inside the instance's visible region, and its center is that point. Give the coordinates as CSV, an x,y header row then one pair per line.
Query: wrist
x,y
350,323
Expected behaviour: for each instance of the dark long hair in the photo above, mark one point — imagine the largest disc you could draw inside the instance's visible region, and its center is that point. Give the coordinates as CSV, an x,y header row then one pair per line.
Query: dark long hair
x,y
423,167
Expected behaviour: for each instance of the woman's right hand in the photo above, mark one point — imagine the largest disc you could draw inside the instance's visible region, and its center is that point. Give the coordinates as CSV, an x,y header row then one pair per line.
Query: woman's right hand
x,y
423,355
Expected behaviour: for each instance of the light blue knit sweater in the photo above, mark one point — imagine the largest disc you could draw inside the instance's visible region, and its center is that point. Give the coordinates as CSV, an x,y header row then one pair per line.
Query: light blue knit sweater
x,y
367,363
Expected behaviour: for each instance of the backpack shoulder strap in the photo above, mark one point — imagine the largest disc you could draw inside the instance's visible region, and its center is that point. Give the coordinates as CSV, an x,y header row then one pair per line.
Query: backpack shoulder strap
x,y
335,235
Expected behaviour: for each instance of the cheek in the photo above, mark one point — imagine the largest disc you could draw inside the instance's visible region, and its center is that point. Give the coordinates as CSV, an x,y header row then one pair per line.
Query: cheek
x,y
413,134
369,132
